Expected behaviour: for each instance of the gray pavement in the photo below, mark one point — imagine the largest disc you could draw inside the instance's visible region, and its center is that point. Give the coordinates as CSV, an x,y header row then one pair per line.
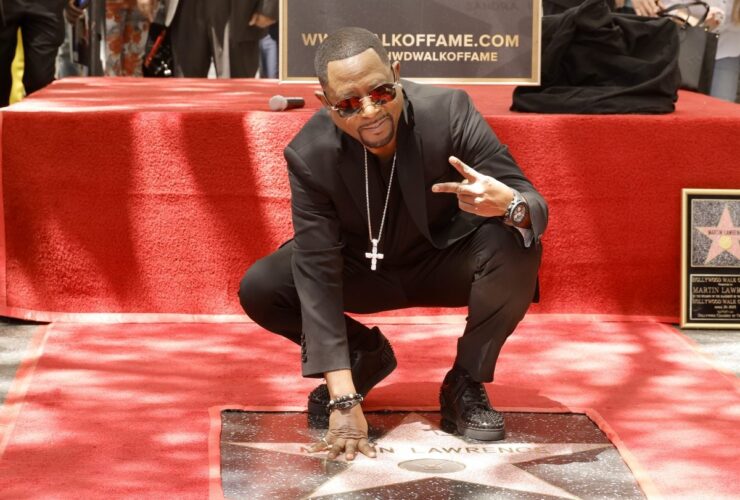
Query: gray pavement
x,y
721,345
15,337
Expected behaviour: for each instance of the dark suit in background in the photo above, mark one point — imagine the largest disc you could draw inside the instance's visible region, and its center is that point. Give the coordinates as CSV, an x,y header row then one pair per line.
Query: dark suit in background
x,y
202,30
435,254
42,28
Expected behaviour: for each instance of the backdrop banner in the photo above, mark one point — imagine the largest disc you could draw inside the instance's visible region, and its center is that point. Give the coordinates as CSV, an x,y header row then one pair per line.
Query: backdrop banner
x,y
469,41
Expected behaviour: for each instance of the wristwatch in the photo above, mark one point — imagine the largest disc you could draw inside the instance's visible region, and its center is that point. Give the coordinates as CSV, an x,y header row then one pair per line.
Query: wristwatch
x,y
517,210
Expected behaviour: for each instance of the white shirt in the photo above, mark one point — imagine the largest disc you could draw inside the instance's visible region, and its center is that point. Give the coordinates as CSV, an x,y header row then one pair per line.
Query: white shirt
x,y
729,32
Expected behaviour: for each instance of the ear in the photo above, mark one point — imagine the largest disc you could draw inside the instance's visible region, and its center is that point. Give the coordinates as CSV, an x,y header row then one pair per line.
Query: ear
x,y
322,98
396,67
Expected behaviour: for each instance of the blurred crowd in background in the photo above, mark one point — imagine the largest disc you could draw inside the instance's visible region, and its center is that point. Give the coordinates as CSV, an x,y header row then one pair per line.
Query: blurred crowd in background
x,y
46,39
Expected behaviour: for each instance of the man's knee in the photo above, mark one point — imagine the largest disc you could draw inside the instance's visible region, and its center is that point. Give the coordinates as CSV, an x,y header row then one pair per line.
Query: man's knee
x,y
267,287
256,291
506,266
503,247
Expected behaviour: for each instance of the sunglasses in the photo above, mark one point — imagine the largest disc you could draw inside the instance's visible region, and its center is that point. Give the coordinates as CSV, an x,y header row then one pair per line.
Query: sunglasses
x,y
380,95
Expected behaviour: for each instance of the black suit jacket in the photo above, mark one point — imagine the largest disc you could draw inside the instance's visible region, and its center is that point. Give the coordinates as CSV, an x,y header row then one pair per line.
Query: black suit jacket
x,y
328,200
55,6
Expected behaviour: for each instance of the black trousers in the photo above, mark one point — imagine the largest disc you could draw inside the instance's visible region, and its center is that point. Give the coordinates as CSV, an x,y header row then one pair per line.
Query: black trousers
x,y
42,28
490,271
201,31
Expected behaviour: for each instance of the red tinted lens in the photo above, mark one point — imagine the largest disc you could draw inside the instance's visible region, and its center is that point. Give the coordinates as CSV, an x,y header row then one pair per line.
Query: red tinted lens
x,y
349,106
379,95
383,94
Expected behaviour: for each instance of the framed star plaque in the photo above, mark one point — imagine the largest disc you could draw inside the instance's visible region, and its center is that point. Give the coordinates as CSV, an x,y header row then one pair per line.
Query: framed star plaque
x,y
710,258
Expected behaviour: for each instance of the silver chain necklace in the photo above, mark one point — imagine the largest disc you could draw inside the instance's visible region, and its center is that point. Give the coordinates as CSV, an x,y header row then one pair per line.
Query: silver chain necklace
x,y
374,256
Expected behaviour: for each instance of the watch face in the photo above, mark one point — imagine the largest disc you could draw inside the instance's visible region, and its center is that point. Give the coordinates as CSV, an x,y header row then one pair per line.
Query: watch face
x,y
519,213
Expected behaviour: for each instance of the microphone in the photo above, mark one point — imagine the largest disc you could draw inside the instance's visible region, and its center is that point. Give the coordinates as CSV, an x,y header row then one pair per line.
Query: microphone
x,y
280,103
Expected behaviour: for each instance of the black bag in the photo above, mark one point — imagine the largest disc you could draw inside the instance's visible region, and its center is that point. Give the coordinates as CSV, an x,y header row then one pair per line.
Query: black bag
x,y
158,61
597,62
697,48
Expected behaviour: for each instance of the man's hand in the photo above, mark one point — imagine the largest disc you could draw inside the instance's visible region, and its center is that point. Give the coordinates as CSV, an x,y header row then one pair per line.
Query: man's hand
x,y
347,433
648,8
73,13
478,194
148,8
261,21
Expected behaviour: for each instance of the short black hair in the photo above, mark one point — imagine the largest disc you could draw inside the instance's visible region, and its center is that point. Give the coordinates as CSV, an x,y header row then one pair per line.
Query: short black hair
x,y
344,43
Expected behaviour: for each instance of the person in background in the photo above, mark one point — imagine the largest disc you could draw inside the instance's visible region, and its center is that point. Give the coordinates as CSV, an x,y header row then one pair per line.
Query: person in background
x,y
41,23
648,8
126,29
66,65
723,18
16,71
222,31
639,7
269,53
551,7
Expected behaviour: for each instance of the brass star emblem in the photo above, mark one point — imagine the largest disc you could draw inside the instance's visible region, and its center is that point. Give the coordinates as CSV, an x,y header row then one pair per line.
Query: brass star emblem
x,y
725,237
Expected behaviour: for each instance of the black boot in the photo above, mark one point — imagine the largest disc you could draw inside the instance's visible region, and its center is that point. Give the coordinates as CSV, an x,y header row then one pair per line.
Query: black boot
x,y
466,410
368,369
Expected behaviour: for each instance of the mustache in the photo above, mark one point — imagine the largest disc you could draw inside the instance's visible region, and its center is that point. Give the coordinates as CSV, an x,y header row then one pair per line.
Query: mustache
x,y
374,123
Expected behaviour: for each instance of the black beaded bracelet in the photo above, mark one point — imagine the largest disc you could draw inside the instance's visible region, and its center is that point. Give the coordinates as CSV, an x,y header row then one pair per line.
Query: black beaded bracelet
x,y
344,402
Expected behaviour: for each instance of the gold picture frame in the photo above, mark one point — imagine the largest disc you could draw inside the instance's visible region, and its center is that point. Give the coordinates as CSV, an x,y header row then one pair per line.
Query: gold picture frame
x,y
710,258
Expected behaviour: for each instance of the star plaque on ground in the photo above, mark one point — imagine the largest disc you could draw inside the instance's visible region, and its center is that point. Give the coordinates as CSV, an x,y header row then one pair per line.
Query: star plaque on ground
x,y
710,278
544,456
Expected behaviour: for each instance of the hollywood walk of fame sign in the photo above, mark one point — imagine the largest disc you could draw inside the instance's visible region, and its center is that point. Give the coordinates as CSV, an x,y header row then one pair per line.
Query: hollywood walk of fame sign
x,y
710,258
266,456
470,41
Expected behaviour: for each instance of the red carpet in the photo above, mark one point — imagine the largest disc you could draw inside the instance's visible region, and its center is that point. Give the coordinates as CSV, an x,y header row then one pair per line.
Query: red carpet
x,y
122,411
152,197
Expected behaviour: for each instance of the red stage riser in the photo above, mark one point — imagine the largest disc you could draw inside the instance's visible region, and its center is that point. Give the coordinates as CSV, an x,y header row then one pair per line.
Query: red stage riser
x,y
127,198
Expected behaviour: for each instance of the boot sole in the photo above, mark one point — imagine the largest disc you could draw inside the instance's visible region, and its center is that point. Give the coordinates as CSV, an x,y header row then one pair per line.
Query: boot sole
x,y
450,425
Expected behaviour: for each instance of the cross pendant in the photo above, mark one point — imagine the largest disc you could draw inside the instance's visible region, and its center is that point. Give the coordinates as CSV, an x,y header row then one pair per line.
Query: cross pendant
x,y
374,256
